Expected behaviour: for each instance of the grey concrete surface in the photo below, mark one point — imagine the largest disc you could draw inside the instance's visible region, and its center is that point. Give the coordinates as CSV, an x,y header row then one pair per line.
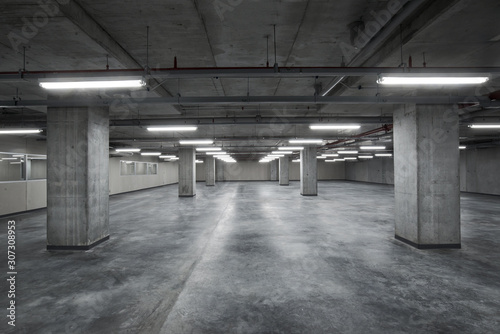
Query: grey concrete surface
x,y
308,171
274,170
77,176
284,176
250,257
427,178
219,170
187,172
209,171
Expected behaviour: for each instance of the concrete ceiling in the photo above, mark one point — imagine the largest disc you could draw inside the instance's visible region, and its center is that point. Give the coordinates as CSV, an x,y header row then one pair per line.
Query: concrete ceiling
x,y
79,35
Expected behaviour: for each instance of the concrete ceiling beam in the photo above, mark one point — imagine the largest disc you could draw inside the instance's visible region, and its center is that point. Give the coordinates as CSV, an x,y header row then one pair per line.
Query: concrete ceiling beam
x,y
255,100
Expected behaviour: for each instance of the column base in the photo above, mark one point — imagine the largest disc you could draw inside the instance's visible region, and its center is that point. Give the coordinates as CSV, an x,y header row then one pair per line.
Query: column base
x,y
210,185
187,195
428,246
284,184
309,194
84,248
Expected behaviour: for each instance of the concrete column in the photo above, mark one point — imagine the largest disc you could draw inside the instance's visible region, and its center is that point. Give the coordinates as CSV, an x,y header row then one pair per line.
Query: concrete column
x,y
284,171
308,171
77,177
210,171
427,185
274,170
187,172
219,170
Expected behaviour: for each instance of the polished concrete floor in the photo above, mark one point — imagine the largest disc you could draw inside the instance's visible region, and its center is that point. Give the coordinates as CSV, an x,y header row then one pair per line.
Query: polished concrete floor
x,y
255,257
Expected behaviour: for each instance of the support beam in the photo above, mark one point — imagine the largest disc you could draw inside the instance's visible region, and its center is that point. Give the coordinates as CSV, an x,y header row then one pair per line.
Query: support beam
x,y
210,171
274,170
187,172
413,18
284,171
77,178
427,187
256,100
83,20
308,171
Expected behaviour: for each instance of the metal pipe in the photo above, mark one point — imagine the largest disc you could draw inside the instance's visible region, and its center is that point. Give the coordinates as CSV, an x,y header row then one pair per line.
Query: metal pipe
x,y
245,72
249,100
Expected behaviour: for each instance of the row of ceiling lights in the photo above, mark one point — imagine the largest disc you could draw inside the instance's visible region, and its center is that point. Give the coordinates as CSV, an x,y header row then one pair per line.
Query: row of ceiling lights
x,y
393,80
298,141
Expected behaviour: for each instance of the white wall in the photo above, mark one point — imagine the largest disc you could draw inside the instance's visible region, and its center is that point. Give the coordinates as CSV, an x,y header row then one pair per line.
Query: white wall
x,y
376,170
326,171
246,171
18,196
480,171
200,172
168,173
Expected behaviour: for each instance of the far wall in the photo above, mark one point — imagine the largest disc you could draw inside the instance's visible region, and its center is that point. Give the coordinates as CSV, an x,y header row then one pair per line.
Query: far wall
x,y
257,171
479,170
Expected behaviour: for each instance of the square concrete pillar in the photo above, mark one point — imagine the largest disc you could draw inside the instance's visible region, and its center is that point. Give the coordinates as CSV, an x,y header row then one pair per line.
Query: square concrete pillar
x,y
77,177
274,170
427,185
308,171
210,171
284,171
187,172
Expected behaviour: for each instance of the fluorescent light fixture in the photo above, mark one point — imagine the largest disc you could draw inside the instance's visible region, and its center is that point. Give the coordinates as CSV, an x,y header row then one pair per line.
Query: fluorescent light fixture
x,y
282,152
19,131
305,141
296,160
276,155
321,157
196,142
93,84
264,161
18,156
348,152
207,149
151,153
329,155
128,150
462,147
365,157
334,126
216,153
291,148
484,126
172,128
198,161
15,163
372,147
383,155
431,80
331,160
167,156
351,158
9,158
338,160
